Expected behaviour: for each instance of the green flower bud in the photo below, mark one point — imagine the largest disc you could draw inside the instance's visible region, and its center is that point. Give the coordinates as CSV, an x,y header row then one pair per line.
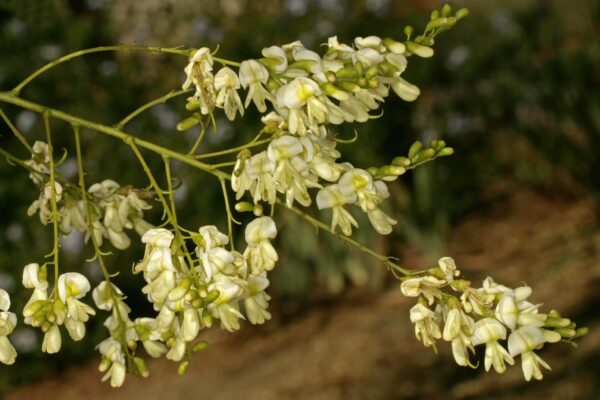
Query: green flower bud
x,y
463,12
192,105
187,123
394,46
446,151
199,346
401,161
415,148
141,367
392,170
436,23
446,10
244,206
212,296
346,72
183,367
420,50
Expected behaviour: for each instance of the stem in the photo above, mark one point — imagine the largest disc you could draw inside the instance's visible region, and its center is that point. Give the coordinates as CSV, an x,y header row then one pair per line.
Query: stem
x,y
123,47
232,150
230,218
15,131
320,225
97,250
52,182
226,62
107,130
138,111
171,216
174,223
16,160
199,139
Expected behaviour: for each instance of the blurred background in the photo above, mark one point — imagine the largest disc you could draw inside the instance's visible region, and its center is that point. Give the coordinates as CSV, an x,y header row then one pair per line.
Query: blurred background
x,y
513,88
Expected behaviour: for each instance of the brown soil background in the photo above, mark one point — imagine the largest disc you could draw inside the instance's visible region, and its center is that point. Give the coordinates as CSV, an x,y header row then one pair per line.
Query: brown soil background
x,y
363,346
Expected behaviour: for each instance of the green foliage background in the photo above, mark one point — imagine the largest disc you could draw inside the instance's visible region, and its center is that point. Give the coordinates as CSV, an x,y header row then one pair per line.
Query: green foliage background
x,y
511,89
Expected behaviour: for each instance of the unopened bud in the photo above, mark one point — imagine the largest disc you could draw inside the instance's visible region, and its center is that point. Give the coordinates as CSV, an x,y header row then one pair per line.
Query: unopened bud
x,y
463,12
415,148
244,206
401,161
212,296
349,86
436,23
187,123
446,151
392,170
207,319
420,50
199,346
446,10
183,367
258,210
192,105
581,331
141,367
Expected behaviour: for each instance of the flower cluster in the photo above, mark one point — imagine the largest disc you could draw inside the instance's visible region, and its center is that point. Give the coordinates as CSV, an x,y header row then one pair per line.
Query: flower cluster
x,y
487,316
61,306
113,208
189,293
308,92
8,321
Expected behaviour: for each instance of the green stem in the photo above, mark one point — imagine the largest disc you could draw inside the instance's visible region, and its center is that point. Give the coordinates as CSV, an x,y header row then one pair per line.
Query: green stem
x,y
226,62
15,160
123,47
98,252
230,218
107,130
320,225
232,150
53,205
138,111
178,236
15,131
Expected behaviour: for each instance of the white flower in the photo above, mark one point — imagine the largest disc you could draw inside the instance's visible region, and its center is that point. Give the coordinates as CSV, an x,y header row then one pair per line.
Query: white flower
x,y
72,284
427,286
448,267
212,237
524,341
52,341
368,57
113,362
489,331
382,222
256,177
103,295
406,91
191,324
332,197
4,300
159,237
257,301
8,321
199,66
8,354
426,327
276,58
260,253
229,315
458,330
199,73
226,84
254,75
